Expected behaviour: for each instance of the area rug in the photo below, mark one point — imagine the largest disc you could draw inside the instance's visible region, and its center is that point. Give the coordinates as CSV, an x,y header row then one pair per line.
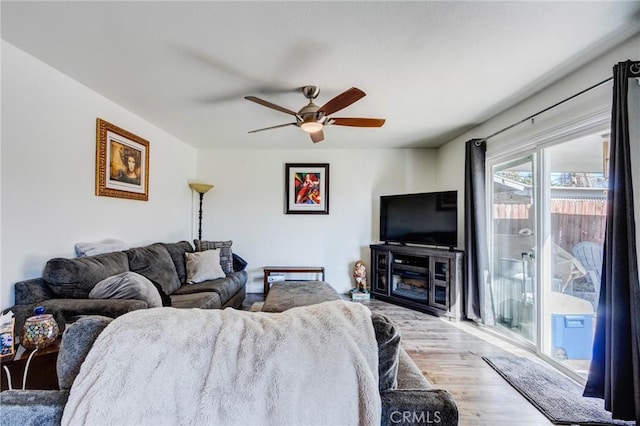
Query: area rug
x,y
555,395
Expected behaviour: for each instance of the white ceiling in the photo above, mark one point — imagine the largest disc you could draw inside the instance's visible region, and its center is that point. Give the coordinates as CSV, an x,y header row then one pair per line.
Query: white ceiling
x,y
432,69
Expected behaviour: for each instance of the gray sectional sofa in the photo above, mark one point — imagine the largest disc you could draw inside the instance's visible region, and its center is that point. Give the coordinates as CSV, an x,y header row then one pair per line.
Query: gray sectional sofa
x,y
66,284
407,398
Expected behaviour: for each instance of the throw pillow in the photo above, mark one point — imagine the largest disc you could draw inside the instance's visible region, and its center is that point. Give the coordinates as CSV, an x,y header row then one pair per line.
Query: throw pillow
x,y
100,247
127,285
226,255
238,263
203,266
154,262
166,300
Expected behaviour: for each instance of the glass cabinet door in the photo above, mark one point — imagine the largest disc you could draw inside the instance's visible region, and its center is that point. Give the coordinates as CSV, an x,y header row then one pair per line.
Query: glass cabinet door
x,y
380,284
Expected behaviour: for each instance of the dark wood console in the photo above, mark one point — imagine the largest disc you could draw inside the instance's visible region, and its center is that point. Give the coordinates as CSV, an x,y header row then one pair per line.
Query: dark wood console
x,y
422,278
42,372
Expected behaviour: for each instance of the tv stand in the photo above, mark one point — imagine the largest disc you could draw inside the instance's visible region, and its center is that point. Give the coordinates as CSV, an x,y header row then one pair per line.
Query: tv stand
x,y
422,278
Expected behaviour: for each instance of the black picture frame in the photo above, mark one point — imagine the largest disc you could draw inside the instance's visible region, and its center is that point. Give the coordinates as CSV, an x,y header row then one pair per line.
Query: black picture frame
x,y
306,188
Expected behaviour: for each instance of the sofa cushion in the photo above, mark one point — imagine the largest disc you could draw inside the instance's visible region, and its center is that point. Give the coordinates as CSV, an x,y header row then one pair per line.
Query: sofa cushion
x,y
388,338
127,285
154,262
177,251
203,266
74,278
207,300
225,287
409,375
226,255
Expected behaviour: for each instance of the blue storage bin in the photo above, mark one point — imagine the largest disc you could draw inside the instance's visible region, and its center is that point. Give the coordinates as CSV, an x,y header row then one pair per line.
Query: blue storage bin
x,y
573,333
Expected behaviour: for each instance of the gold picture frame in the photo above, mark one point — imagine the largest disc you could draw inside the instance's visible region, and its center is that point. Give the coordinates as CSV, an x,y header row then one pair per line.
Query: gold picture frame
x,y
122,163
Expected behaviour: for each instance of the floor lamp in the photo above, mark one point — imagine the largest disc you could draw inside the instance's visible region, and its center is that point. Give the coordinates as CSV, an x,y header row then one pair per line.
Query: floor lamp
x,y
200,188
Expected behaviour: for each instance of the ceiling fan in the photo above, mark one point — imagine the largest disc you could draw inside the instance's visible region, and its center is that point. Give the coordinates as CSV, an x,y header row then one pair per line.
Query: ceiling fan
x,y
312,118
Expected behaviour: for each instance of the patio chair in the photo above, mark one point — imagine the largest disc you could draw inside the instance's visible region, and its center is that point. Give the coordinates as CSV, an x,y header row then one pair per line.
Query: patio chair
x,y
589,254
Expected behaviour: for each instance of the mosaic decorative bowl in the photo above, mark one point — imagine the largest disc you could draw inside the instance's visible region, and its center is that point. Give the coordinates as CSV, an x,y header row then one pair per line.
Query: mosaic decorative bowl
x,y
40,330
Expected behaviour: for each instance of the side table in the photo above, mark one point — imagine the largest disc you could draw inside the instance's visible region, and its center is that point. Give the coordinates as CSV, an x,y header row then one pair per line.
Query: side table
x,y
41,372
268,270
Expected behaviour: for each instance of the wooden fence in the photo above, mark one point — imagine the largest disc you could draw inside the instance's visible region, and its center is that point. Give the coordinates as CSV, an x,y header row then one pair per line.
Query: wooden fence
x,y
572,220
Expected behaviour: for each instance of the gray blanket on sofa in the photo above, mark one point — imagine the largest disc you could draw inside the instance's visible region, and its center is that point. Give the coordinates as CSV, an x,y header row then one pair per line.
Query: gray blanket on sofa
x,y
309,365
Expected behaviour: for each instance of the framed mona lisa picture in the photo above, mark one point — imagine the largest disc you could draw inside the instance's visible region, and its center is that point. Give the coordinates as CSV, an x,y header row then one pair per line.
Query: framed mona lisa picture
x,y
122,163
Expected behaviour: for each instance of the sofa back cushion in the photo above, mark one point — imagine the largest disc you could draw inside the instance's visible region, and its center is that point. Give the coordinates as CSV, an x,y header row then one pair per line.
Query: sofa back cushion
x,y
155,263
177,252
388,338
77,340
74,278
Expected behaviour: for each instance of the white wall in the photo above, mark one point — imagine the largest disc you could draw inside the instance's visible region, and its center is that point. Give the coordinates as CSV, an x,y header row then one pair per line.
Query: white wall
x,y
247,206
48,178
48,172
451,156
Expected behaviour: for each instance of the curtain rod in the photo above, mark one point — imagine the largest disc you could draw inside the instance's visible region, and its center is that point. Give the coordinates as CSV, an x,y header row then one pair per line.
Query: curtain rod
x,y
531,117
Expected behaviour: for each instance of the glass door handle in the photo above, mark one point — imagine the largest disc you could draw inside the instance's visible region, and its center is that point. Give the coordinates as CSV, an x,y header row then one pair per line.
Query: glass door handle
x,y
528,254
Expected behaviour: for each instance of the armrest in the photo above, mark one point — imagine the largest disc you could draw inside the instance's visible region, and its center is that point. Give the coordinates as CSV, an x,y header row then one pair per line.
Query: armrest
x,y
418,407
32,291
66,311
33,407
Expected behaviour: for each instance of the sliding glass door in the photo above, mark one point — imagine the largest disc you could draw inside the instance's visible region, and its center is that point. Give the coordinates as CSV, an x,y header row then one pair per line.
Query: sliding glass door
x,y
573,233
547,229
513,241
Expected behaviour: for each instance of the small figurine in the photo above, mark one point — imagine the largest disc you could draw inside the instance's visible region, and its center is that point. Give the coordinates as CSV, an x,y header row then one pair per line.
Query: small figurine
x,y
360,275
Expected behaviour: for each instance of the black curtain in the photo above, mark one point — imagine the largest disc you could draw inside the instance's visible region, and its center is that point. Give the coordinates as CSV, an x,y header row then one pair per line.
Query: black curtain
x,y
614,374
477,294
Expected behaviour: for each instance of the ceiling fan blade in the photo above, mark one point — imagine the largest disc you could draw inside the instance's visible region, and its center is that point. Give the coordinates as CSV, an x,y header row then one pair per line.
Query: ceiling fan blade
x,y
341,101
273,127
358,122
317,136
269,105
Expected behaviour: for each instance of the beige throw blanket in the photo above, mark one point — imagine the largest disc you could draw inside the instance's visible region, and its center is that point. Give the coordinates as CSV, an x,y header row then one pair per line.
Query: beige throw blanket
x,y
314,365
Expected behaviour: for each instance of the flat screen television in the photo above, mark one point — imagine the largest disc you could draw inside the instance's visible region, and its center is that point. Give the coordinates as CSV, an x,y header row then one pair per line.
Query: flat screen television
x,y
429,218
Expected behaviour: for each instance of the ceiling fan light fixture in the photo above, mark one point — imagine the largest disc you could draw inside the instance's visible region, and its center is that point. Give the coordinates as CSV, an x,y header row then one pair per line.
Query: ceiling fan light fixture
x,y
312,118
310,125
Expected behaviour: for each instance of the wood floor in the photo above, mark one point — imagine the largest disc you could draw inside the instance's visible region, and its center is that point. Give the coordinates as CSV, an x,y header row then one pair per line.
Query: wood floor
x,y
450,354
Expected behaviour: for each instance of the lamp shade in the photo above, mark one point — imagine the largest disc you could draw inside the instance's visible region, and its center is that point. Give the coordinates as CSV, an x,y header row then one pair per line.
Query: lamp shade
x,y
200,188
